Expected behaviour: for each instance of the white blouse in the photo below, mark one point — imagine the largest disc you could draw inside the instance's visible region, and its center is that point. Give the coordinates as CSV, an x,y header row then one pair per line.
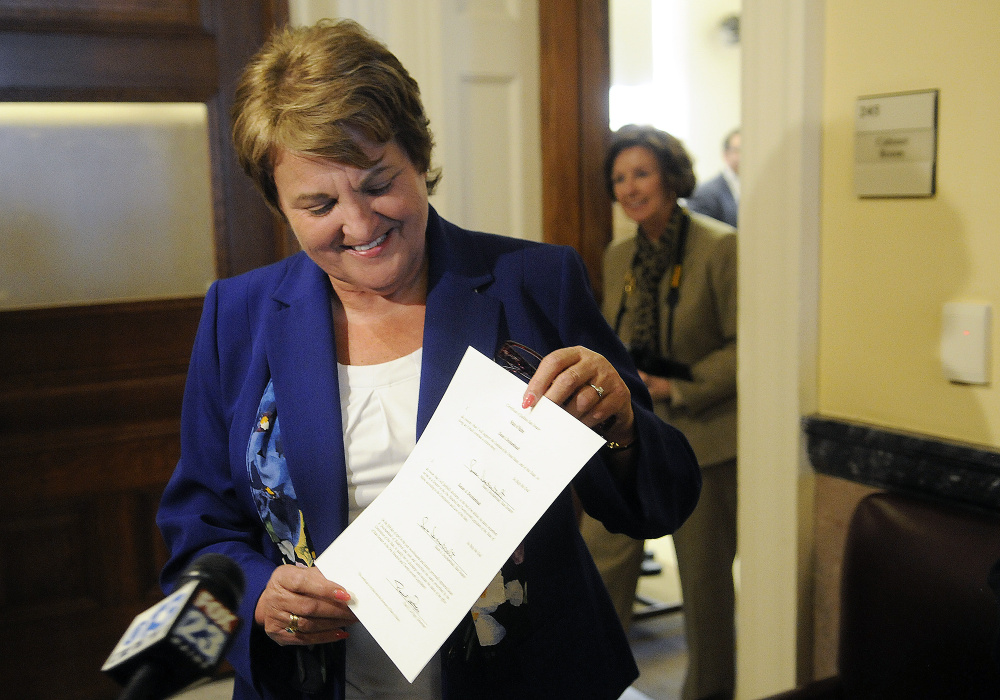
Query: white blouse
x,y
379,405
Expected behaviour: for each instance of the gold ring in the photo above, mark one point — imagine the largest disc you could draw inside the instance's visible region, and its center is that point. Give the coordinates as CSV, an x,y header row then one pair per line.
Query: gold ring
x,y
599,390
293,623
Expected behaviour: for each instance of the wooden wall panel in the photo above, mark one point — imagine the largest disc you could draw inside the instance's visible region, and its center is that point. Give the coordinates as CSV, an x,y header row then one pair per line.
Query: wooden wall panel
x,y
109,341
92,399
76,369
68,597
90,396
100,50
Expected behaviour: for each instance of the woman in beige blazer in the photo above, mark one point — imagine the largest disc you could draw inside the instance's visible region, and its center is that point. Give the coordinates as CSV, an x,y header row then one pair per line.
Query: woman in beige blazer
x,y
670,292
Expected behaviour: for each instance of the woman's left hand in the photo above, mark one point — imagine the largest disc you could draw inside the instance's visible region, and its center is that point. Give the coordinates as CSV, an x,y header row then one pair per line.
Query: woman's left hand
x,y
660,388
589,387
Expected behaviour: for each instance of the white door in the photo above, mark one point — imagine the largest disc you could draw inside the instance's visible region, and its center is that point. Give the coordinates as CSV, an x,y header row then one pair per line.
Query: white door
x,y
477,65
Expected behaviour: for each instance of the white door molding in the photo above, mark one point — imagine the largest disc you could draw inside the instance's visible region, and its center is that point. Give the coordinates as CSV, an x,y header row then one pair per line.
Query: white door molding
x,y
778,321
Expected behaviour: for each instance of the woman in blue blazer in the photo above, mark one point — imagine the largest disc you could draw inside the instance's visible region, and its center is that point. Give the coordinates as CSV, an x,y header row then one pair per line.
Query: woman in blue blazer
x,y
312,378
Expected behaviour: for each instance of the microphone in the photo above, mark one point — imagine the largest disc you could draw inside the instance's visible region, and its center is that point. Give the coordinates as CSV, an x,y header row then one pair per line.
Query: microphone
x,y
183,637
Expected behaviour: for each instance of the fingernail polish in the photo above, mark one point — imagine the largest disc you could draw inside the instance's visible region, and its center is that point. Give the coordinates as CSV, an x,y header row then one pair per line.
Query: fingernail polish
x,y
529,400
342,595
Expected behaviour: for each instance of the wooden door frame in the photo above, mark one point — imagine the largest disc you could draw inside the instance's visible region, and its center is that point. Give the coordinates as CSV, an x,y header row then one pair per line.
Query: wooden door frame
x,y
575,76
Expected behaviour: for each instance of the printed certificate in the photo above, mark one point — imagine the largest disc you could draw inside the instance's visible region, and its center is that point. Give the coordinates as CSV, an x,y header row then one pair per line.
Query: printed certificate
x,y
482,474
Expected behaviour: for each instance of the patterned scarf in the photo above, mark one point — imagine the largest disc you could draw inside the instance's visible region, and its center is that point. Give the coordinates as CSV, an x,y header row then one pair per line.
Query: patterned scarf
x,y
648,267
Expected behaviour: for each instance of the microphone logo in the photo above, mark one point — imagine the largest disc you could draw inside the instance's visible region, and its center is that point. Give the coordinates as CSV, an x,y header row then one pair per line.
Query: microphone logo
x,y
151,626
202,635
183,637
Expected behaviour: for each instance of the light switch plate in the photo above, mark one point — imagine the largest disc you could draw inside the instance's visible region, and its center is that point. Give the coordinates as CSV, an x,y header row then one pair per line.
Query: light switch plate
x,y
965,342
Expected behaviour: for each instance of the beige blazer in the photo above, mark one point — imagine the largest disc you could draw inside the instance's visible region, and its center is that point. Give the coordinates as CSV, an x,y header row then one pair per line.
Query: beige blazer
x,y
704,334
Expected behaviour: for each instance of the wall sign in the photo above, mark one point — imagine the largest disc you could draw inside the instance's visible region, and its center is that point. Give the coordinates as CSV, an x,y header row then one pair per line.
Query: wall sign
x,y
895,145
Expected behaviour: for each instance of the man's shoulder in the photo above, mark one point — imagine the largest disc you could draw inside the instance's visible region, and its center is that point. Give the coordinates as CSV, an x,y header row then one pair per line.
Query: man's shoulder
x,y
714,185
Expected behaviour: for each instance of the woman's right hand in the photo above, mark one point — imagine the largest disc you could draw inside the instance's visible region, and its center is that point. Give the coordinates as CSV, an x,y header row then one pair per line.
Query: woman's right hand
x,y
659,387
301,606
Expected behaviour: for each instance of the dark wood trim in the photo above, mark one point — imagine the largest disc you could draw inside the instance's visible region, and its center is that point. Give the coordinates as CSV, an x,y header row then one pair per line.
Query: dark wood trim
x,y
247,233
595,134
71,371
69,67
560,124
125,16
575,75
105,342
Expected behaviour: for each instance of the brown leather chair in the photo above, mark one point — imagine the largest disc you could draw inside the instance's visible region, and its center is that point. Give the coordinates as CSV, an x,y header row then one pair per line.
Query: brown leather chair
x,y
918,618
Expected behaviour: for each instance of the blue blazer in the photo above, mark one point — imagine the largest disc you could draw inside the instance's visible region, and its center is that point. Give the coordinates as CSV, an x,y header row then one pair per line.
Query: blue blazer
x,y
271,330
714,198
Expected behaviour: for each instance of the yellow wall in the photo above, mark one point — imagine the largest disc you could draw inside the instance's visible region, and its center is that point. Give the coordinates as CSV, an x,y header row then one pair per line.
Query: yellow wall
x,y
888,266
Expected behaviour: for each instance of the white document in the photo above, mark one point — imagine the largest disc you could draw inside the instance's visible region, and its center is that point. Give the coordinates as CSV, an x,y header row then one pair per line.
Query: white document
x,y
482,474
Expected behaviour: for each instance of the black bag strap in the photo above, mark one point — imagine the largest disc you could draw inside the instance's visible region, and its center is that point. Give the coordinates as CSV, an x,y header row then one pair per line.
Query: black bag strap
x,y
674,293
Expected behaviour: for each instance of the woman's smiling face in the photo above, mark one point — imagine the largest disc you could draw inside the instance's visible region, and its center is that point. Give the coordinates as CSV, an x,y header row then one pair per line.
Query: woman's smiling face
x,y
639,188
366,228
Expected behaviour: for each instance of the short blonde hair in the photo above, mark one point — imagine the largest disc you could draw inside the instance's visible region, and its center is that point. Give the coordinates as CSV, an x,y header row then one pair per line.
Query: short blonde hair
x,y
309,88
